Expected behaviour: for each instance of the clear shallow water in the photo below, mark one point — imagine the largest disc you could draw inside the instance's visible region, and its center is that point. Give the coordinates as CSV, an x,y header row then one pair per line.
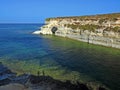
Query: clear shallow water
x,y
59,57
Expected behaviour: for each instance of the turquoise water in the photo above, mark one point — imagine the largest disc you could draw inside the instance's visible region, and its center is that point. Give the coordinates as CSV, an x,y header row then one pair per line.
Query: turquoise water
x,y
61,58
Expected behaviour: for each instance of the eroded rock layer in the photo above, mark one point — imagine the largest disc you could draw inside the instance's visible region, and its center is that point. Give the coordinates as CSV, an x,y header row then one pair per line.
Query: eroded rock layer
x,y
98,29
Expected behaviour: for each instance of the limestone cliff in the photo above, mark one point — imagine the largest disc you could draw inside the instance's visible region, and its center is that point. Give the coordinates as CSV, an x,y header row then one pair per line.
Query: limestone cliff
x,y
97,29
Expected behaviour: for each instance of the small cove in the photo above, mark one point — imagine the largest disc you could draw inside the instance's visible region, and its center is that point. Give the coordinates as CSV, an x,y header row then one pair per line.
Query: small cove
x,y
61,58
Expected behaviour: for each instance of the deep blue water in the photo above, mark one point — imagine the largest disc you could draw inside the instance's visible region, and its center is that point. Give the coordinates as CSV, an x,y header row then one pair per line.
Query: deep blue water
x,y
20,48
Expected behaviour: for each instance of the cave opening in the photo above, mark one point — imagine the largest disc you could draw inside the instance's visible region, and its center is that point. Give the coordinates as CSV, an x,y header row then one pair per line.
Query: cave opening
x,y
54,29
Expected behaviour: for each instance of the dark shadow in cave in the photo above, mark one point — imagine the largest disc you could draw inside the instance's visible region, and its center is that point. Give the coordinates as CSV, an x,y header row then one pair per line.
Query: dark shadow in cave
x,y
54,29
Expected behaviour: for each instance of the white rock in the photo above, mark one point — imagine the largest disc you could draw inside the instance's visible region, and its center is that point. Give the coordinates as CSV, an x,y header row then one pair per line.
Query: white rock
x,y
37,32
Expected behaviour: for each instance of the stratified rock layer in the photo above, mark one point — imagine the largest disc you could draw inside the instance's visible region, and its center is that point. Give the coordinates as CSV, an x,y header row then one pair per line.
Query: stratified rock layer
x,y
99,29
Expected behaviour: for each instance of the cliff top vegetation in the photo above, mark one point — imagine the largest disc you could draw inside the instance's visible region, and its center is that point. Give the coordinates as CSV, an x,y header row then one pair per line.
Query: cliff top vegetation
x,y
112,16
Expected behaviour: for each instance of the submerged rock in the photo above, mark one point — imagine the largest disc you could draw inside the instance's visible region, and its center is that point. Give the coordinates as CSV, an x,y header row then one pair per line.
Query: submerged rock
x,y
9,81
6,75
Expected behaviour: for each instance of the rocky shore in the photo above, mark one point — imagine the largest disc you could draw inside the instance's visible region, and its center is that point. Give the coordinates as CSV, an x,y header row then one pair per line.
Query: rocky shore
x,y
97,29
10,81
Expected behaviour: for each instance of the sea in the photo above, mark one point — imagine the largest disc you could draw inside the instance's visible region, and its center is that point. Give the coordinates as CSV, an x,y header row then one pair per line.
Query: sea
x,y
59,57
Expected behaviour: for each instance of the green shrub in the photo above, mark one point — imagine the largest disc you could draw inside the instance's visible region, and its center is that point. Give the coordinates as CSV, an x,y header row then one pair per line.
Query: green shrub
x,y
90,27
114,29
48,19
101,21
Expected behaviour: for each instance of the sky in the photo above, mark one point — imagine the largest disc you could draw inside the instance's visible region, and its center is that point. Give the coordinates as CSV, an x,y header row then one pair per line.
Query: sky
x,y
35,11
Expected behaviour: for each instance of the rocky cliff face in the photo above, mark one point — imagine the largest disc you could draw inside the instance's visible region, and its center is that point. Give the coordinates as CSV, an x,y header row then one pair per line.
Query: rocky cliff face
x,y
99,29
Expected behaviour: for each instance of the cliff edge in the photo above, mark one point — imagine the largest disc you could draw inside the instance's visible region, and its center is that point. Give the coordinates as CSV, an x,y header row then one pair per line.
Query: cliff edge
x,y
97,29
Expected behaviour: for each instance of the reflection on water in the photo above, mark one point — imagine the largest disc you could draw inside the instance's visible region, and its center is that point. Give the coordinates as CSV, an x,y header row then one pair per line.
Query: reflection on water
x,y
59,57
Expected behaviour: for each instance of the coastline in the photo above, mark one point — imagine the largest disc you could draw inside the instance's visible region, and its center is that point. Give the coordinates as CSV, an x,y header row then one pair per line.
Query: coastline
x,y
98,30
40,82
